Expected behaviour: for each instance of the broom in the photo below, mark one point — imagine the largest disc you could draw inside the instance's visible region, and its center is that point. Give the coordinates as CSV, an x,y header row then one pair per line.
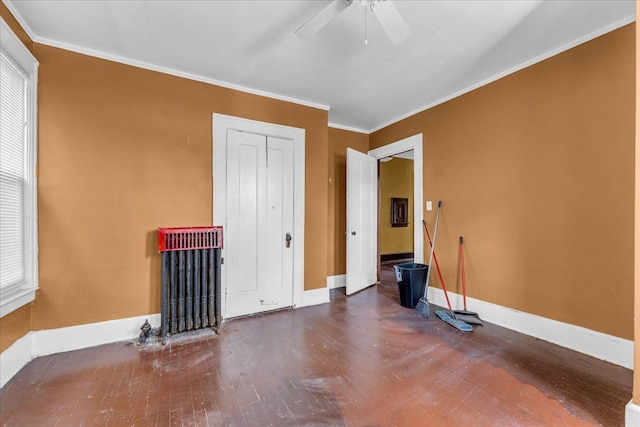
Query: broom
x,y
423,305
466,315
448,317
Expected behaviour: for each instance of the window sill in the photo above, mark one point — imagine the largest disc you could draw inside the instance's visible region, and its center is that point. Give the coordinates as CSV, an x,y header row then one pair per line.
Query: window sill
x,y
16,300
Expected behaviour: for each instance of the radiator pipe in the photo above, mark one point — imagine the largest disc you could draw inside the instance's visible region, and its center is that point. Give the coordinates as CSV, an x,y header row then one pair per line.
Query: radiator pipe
x,y
145,331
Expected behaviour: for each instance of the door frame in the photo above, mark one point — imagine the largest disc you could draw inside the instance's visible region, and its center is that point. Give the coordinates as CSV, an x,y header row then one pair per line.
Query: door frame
x,y
221,125
411,143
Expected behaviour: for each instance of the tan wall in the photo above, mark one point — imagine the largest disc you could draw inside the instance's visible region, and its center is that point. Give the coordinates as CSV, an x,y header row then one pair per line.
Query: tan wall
x,y
16,324
339,140
536,170
636,334
396,180
124,150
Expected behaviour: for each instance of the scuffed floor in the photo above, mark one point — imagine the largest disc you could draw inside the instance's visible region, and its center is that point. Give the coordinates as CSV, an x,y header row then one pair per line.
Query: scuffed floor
x,y
359,361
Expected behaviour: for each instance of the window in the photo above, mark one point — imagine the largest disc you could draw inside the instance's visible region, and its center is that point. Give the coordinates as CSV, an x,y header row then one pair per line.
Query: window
x,y
18,187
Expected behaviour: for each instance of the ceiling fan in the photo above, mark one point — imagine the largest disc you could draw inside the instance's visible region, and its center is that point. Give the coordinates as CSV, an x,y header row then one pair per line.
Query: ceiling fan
x,y
385,12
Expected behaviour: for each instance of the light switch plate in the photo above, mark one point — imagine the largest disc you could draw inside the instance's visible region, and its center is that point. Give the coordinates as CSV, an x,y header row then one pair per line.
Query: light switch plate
x,y
429,205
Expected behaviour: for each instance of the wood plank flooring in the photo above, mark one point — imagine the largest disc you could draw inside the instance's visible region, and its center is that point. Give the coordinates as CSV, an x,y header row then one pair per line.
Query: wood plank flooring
x,y
359,361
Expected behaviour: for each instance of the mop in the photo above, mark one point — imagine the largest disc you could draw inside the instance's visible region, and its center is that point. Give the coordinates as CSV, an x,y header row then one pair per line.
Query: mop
x,y
448,317
466,315
423,304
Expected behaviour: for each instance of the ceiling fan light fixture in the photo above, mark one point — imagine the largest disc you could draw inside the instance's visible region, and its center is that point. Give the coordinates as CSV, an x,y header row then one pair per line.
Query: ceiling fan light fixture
x,y
366,42
391,21
322,18
385,12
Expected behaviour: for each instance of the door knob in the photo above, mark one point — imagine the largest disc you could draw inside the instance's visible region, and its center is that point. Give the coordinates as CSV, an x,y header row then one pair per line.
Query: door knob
x,y
288,240
353,233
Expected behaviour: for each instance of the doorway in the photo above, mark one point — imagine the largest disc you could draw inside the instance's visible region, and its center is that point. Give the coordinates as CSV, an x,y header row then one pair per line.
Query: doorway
x,y
412,143
395,225
258,183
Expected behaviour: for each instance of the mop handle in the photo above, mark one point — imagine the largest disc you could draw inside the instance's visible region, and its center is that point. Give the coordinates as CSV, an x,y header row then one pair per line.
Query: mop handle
x,y
464,284
435,259
433,246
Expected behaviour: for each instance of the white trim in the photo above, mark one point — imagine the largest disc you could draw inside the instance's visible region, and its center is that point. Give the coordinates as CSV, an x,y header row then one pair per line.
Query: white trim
x,y
18,50
221,124
516,68
50,341
632,415
315,297
176,73
15,358
348,128
95,53
596,344
16,300
27,29
339,281
40,343
14,297
411,143
152,67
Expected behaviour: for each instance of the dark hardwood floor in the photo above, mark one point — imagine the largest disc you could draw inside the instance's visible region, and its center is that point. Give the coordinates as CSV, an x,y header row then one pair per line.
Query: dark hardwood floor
x,y
359,361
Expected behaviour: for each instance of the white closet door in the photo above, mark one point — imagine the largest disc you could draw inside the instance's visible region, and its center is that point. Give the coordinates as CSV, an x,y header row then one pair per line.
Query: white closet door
x,y
259,256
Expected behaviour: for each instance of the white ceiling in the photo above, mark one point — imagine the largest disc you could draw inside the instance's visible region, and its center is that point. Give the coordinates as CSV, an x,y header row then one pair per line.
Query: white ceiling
x,y
454,46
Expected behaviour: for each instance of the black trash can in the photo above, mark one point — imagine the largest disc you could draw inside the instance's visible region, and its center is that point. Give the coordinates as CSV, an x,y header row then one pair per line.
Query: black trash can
x,y
411,278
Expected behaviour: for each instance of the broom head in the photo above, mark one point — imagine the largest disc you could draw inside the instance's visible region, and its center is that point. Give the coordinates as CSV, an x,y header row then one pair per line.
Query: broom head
x,y
423,307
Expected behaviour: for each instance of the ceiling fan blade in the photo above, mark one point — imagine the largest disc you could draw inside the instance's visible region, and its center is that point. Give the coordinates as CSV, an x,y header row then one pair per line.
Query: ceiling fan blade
x,y
391,21
323,17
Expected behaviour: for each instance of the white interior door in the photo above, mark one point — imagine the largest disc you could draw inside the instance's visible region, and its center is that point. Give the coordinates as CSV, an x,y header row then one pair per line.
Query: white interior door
x,y
362,223
259,257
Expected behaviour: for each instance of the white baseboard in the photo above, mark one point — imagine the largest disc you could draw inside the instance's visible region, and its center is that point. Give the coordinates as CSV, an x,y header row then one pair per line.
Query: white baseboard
x,y
50,341
14,358
339,281
632,415
315,297
602,346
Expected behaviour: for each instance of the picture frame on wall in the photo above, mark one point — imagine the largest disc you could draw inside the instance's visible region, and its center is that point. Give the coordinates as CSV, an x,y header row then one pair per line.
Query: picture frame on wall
x,y
399,212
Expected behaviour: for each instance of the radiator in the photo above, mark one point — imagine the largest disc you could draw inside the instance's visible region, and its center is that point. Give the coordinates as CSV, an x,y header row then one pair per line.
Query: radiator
x,y
190,296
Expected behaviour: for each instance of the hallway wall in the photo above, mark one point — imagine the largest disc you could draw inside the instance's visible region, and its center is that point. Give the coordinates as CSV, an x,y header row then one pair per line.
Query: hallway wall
x,y
396,180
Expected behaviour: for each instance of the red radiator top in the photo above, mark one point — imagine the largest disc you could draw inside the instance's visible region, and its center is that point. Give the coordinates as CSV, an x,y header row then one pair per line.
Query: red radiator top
x,y
182,238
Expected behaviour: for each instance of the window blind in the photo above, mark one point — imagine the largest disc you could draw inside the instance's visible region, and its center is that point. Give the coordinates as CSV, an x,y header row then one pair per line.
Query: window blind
x,y
13,177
